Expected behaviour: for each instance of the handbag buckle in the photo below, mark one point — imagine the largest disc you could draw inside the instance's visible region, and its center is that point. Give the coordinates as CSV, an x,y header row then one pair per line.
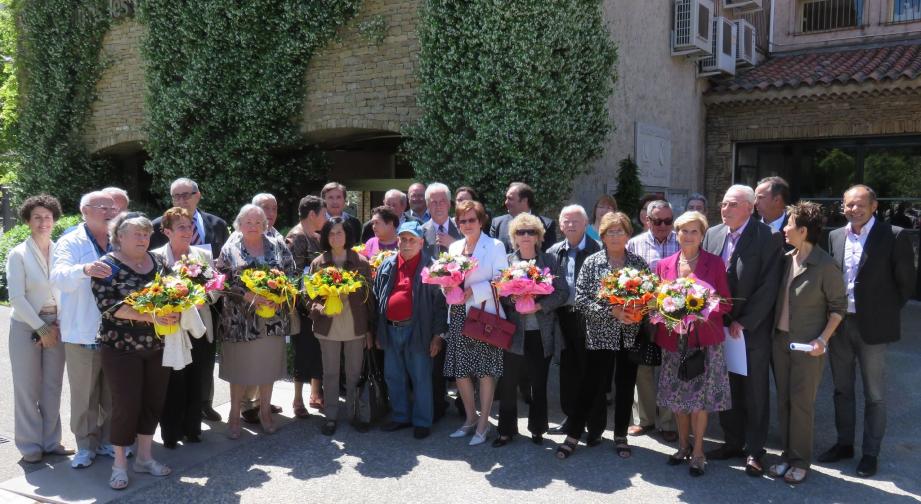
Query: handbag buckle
x,y
487,328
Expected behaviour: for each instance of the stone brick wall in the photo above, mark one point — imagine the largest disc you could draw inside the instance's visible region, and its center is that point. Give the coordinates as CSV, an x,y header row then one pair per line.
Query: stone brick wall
x,y
869,110
357,84
117,115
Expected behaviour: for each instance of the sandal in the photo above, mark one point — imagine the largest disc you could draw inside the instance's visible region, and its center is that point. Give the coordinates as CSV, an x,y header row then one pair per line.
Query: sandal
x,y
301,412
698,464
119,478
679,456
795,475
565,450
779,470
622,448
316,403
151,467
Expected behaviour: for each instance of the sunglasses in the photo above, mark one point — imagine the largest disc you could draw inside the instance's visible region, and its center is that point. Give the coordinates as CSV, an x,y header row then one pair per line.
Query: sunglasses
x,y
660,222
461,222
525,232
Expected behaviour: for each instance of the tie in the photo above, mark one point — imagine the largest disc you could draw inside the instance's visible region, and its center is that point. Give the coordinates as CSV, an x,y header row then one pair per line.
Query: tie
x,y
441,228
196,238
731,247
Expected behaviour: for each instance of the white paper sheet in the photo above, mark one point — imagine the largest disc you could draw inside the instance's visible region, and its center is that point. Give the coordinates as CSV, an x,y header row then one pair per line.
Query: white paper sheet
x,y
734,349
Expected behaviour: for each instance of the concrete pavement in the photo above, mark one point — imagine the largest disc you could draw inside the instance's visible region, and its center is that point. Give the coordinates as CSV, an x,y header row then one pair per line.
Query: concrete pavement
x,y
297,464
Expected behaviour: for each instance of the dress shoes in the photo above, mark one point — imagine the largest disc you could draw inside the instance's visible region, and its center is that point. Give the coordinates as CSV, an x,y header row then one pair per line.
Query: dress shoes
x,y
395,426
725,452
669,436
867,466
210,415
250,416
640,430
560,429
421,432
836,453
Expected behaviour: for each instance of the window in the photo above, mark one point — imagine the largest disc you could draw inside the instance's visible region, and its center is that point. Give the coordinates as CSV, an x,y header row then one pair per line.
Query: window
x,y
826,15
906,10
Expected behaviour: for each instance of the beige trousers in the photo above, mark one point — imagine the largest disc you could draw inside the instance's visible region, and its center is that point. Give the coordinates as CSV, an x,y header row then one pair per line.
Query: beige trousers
x,y
644,402
90,398
38,374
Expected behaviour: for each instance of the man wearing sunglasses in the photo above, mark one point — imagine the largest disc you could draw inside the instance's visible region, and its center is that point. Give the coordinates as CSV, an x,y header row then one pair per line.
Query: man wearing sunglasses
x,y
659,242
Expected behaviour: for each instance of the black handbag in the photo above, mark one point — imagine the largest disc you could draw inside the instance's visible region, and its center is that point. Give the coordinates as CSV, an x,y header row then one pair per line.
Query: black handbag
x,y
373,388
644,351
693,362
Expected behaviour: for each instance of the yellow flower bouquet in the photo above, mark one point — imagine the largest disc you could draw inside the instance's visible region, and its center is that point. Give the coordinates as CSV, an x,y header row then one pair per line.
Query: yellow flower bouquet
x,y
377,259
164,296
272,284
330,283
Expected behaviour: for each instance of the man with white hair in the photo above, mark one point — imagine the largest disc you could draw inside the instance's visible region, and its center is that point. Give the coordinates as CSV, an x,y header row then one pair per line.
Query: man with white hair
x,y
208,230
395,199
119,196
752,254
75,261
570,254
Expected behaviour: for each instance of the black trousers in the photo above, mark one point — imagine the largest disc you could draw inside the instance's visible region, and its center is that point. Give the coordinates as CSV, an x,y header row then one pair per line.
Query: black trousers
x,y
181,415
745,426
601,366
537,367
308,361
573,362
439,385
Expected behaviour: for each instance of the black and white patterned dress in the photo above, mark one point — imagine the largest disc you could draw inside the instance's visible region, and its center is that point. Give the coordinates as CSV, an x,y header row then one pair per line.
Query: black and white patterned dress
x,y
467,357
602,330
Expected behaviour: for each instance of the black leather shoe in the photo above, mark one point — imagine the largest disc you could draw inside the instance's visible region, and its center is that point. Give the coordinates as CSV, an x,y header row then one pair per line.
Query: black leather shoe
x,y
537,439
328,428
169,443
210,415
195,438
836,453
395,426
360,426
421,432
250,416
725,452
867,466
561,429
501,441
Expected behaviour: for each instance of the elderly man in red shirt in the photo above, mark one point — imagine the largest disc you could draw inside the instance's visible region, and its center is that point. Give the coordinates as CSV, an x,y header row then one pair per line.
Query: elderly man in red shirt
x,y
412,320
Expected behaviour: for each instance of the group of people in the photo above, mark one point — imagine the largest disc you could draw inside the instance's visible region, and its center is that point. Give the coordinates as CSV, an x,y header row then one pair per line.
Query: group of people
x,y
778,285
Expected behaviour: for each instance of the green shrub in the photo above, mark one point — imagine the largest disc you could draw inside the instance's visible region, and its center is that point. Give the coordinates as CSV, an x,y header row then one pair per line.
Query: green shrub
x,y
18,235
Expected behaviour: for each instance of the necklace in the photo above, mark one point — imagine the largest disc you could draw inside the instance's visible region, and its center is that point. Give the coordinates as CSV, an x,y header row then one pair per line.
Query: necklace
x,y
136,265
688,261
617,263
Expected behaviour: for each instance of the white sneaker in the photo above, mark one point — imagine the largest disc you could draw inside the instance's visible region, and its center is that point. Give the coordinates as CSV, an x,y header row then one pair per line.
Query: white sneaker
x,y
83,458
108,450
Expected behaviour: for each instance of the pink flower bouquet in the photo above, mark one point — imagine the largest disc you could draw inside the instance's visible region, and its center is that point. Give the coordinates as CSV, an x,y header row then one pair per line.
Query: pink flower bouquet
x,y
524,280
683,302
200,273
449,271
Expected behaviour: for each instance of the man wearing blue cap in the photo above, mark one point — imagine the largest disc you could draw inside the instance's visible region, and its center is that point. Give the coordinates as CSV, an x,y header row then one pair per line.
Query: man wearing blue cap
x,y
412,320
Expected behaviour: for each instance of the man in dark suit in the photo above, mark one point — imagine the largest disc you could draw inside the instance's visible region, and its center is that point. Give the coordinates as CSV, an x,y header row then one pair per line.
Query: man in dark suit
x,y
396,200
877,262
333,195
208,230
772,195
570,254
519,198
752,254
439,232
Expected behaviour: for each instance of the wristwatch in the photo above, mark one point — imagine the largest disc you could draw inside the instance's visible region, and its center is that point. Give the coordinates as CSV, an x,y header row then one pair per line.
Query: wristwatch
x,y
824,343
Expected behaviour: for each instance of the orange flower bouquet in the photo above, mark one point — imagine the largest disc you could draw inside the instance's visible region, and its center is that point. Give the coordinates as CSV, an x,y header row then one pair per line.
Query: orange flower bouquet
x,y
631,288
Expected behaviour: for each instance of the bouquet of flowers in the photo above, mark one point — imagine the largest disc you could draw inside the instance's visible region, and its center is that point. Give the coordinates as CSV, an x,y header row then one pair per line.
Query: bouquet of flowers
x,y
631,288
272,284
683,302
360,249
164,296
524,280
330,283
377,259
200,273
449,271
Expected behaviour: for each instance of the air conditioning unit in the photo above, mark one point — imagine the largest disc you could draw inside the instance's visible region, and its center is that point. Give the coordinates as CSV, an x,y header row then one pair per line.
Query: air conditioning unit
x,y
692,32
743,5
746,53
722,60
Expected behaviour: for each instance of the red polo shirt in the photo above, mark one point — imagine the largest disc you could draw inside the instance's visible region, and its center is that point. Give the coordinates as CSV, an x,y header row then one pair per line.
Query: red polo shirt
x,y
400,304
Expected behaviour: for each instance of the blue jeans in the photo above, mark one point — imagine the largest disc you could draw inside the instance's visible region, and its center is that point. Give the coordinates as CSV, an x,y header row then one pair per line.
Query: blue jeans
x,y
400,362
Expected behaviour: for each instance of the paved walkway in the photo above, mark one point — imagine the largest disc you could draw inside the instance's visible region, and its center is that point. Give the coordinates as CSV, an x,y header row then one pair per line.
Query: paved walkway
x,y
297,464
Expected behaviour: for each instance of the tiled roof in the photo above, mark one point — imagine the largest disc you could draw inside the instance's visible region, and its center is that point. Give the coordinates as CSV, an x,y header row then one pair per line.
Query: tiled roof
x,y
823,68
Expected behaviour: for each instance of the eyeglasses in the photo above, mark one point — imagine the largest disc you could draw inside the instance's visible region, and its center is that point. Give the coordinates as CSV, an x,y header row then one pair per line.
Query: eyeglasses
x,y
729,204
104,208
461,222
184,195
660,222
615,233
525,232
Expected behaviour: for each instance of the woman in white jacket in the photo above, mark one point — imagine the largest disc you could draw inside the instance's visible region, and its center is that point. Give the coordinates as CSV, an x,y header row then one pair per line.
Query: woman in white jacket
x,y
36,352
465,357
181,417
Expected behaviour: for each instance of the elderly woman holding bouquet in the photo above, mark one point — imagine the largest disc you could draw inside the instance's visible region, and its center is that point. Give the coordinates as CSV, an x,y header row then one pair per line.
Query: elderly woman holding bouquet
x,y
537,335
253,326
811,303
611,331
132,352
181,419
693,380
465,357
342,324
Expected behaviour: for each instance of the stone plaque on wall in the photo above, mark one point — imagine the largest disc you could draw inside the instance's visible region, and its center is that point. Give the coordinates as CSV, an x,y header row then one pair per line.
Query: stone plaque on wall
x,y
654,154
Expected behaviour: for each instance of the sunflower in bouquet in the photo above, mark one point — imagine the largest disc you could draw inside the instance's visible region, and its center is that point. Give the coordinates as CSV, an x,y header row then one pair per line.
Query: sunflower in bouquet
x,y
166,295
272,284
330,283
631,288
684,302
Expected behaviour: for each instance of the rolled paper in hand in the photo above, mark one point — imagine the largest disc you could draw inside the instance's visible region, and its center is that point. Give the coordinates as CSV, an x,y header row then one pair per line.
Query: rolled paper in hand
x,y
801,347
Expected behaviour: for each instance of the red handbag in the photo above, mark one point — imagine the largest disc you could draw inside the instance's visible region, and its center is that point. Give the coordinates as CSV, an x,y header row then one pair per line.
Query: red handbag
x,y
487,327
